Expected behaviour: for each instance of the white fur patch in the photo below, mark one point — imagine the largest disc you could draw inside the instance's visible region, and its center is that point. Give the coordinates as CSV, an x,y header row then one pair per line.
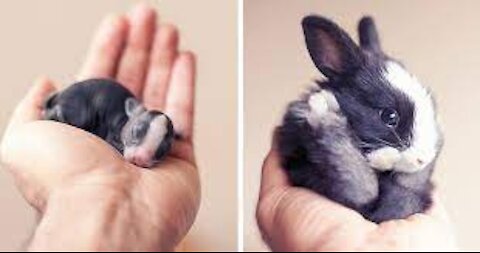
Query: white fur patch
x,y
425,135
321,103
318,107
156,133
384,159
411,162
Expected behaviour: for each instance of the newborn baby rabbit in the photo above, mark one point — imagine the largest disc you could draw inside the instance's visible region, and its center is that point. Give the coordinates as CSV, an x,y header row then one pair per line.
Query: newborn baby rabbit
x,y
108,110
367,137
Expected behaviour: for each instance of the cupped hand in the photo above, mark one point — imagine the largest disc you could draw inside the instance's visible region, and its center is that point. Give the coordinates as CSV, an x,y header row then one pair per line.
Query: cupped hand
x,y
48,158
296,219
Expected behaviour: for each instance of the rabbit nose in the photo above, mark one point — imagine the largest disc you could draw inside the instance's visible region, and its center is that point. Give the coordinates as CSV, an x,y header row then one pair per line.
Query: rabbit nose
x,y
140,160
139,157
420,161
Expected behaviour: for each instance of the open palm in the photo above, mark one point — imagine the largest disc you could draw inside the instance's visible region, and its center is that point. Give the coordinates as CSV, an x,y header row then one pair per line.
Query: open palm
x,y
143,56
296,219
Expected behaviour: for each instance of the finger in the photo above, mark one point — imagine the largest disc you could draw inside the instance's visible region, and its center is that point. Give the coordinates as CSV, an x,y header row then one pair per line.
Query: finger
x,y
184,151
164,53
134,62
106,48
274,185
273,175
30,108
181,95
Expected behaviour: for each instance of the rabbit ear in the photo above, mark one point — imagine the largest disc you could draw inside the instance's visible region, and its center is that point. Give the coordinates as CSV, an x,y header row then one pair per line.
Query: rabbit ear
x,y
332,50
133,107
368,34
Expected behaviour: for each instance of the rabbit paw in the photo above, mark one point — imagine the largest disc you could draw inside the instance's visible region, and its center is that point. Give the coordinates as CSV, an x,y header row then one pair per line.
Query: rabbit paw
x,y
321,103
384,159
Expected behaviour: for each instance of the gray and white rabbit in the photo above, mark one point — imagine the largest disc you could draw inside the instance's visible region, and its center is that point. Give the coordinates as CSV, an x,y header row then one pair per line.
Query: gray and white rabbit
x,y
107,109
368,136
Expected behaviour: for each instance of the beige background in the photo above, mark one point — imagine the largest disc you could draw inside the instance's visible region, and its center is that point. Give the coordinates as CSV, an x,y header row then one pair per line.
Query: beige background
x,y
438,40
51,37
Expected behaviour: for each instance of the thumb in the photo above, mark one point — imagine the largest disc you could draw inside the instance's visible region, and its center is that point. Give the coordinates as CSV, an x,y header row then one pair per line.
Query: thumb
x,y
30,108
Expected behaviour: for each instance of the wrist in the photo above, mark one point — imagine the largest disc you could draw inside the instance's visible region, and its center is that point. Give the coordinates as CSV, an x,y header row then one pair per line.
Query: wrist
x,y
94,217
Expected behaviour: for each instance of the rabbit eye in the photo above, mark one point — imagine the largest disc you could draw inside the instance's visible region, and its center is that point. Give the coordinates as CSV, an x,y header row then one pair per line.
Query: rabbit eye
x,y
390,117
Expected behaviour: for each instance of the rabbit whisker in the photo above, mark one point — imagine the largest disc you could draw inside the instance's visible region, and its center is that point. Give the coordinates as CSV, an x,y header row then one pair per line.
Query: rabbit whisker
x,y
402,143
384,142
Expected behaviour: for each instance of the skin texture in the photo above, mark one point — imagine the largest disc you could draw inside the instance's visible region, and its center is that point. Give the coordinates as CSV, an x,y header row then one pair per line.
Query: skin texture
x,y
88,197
296,219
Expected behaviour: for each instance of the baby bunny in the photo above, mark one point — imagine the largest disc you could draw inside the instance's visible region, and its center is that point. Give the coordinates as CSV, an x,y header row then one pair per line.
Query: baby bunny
x,y
367,137
108,110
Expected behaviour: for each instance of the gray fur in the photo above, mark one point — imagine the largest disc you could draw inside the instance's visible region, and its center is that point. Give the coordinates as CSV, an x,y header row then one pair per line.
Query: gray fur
x,y
108,110
324,143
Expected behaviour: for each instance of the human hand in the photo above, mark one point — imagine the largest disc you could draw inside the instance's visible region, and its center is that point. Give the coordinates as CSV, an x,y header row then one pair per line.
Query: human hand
x,y
77,180
296,219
